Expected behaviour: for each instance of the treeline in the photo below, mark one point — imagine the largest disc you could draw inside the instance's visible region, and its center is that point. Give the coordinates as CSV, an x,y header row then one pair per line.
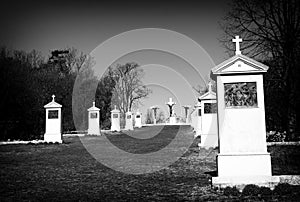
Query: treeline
x,y
27,81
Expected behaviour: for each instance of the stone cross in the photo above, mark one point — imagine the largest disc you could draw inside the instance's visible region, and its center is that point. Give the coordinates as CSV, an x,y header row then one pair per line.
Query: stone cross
x,y
53,96
237,41
171,104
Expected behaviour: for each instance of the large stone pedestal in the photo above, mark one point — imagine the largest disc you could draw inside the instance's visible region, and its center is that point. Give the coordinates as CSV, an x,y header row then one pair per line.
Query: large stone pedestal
x,y
243,164
242,169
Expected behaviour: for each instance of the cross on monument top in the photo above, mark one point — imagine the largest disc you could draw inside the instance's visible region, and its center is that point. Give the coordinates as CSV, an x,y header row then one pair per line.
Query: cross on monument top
x,y
237,41
93,104
53,96
171,102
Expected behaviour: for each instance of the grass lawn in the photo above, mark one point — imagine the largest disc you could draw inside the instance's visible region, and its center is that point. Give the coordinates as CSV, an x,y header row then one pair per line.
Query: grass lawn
x,y
67,172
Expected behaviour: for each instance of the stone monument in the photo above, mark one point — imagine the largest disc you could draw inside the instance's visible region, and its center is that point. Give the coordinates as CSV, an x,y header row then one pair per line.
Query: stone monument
x,y
243,157
186,112
172,119
129,121
53,122
138,119
198,119
209,130
115,120
94,117
154,108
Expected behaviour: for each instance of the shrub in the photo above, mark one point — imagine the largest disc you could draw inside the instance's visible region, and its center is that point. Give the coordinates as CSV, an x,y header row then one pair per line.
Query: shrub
x,y
251,190
231,191
283,189
275,136
265,191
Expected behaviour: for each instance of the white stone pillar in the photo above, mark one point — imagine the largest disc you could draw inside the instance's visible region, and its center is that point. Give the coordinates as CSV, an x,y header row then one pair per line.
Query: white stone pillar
x,y
138,119
53,122
115,120
129,121
209,134
94,117
198,121
243,156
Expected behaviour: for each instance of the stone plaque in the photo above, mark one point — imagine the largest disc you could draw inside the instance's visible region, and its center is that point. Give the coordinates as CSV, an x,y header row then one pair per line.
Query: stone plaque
x,y
93,115
210,108
53,114
242,94
115,116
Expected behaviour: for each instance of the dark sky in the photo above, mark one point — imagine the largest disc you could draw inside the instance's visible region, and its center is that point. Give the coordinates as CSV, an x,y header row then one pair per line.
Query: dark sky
x,y
47,25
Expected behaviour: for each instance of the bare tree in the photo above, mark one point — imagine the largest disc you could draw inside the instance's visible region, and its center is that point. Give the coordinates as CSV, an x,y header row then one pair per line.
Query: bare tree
x,y
271,31
35,58
129,88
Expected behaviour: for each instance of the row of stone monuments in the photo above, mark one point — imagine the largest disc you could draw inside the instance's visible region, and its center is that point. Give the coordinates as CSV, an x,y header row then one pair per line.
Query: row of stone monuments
x,y
53,120
204,119
241,130
115,120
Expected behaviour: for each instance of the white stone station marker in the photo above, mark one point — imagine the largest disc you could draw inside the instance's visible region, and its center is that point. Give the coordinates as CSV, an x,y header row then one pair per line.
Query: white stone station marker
x,y
209,130
94,127
138,119
198,119
115,120
243,157
129,121
53,122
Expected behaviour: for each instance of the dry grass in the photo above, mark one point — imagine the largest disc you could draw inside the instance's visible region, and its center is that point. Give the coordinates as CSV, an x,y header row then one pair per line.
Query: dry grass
x,y
67,172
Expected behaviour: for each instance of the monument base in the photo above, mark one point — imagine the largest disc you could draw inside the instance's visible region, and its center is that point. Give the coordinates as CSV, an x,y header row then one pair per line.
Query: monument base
x,y
53,137
94,132
138,126
128,127
255,164
243,169
241,181
172,120
115,129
